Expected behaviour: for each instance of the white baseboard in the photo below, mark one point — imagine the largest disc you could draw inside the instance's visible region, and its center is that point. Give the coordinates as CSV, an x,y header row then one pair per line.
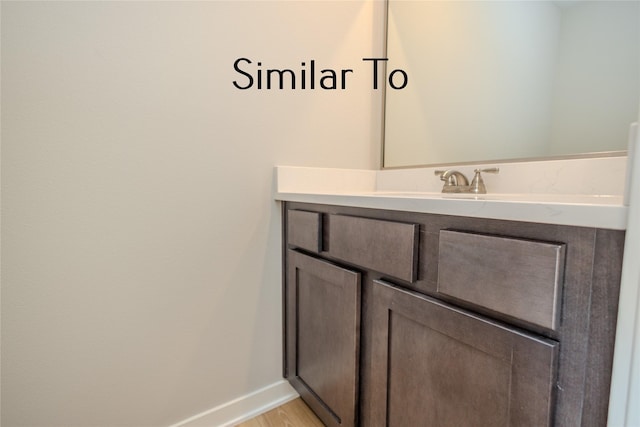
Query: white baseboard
x,y
243,408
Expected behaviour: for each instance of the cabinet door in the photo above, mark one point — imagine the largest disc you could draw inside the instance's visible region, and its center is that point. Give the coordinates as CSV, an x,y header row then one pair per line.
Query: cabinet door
x,y
323,336
438,366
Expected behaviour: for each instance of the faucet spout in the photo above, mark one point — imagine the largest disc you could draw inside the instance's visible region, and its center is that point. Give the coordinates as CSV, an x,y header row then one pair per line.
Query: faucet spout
x,y
453,177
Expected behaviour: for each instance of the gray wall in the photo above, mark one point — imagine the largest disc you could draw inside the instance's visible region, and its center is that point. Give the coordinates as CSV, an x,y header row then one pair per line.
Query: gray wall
x,y
141,245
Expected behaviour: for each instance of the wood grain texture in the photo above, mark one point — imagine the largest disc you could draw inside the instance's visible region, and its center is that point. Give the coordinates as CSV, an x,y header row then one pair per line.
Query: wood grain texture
x,y
588,305
323,337
292,414
384,246
304,230
517,277
439,366
604,308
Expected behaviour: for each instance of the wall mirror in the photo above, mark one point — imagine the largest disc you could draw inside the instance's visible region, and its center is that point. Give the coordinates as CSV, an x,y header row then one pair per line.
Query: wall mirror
x,y
497,81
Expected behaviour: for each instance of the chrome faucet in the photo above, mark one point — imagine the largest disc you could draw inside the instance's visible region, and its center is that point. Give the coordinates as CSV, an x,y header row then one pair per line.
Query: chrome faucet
x,y
454,181
457,182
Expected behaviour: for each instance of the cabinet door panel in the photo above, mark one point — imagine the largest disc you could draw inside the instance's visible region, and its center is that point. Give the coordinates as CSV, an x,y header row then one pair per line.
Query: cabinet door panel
x,y
438,366
323,336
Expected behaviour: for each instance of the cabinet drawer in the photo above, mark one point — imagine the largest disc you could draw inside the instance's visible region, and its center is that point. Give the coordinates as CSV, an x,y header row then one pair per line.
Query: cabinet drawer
x,y
384,246
520,278
304,230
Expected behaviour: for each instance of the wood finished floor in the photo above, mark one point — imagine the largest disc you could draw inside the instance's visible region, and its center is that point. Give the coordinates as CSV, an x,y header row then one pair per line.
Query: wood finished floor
x,y
292,414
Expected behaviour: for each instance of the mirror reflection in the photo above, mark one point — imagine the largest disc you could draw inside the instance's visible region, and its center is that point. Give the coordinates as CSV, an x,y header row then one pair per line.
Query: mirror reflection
x,y
498,80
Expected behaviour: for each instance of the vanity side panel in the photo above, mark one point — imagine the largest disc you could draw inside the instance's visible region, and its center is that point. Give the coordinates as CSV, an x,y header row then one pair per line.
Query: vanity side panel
x,y
607,272
284,214
575,326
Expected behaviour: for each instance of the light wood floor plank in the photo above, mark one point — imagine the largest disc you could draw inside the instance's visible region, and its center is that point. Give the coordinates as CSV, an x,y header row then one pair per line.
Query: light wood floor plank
x,y
292,414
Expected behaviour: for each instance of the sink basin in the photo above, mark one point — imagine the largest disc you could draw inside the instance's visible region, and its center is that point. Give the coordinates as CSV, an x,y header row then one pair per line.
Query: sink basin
x,y
523,197
420,194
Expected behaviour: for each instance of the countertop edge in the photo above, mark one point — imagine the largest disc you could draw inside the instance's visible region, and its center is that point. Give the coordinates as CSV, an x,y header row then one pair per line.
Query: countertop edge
x,y
612,217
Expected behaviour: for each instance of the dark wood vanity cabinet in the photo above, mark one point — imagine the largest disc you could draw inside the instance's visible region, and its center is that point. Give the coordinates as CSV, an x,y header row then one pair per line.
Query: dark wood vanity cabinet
x,y
408,319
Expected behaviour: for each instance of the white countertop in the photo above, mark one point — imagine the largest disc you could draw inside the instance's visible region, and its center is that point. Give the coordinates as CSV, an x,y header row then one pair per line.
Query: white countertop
x,y
372,189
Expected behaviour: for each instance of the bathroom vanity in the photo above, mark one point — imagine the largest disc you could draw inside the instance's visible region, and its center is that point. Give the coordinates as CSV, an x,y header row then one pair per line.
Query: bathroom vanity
x,y
399,318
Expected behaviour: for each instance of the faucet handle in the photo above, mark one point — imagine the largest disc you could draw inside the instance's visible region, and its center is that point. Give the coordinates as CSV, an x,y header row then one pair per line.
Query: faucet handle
x,y
477,184
487,170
